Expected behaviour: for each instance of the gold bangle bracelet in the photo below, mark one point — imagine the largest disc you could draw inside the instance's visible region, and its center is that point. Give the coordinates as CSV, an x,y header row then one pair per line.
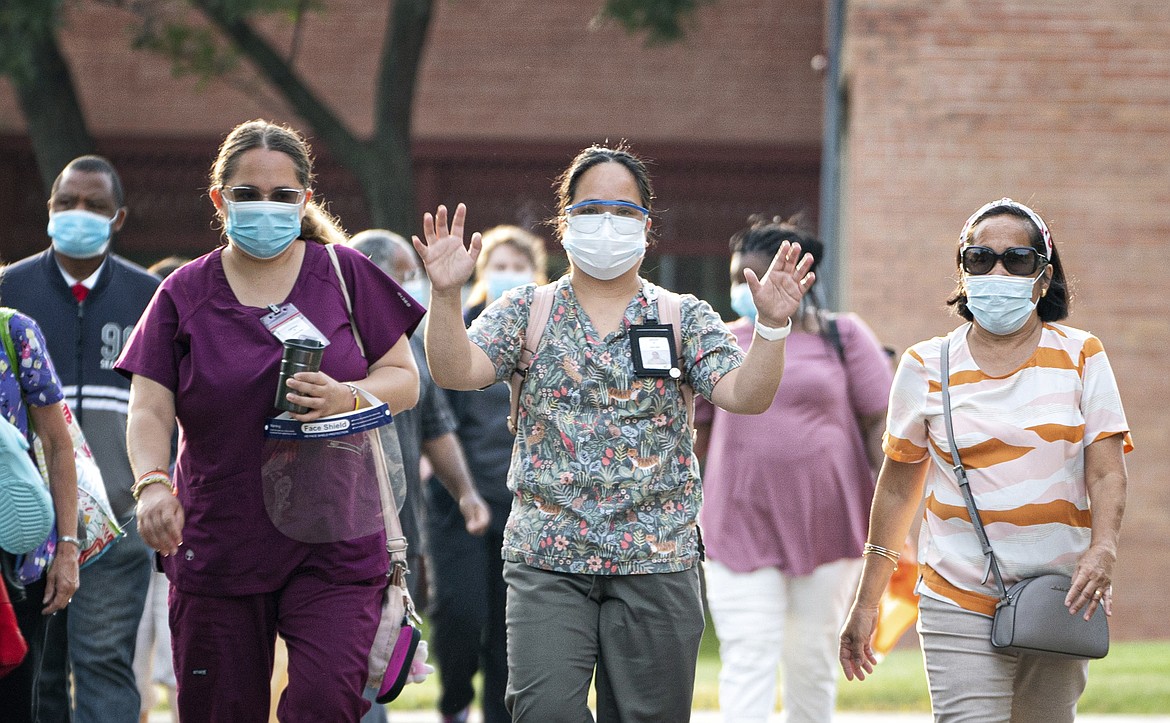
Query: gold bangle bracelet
x,y
885,552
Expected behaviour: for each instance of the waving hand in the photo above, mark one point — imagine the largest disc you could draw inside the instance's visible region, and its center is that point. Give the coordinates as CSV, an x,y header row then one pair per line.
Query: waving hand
x,y
777,296
449,265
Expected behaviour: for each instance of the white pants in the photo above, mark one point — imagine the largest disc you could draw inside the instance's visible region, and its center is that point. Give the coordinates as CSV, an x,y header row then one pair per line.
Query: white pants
x,y
765,619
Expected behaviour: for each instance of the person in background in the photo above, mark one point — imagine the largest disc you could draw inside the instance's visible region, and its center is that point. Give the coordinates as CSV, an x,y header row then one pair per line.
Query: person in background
x,y
601,544
1038,420
466,571
427,429
152,651
30,397
204,355
86,300
783,522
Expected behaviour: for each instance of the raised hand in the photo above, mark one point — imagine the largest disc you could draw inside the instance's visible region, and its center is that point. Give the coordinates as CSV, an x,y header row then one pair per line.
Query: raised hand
x,y
448,264
777,296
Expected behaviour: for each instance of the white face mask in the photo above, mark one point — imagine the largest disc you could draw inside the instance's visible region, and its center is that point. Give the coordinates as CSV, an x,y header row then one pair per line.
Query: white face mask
x,y
597,248
1001,304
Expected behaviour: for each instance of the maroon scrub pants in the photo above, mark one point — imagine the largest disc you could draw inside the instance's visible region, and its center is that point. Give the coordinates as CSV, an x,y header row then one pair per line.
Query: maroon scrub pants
x,y
224,648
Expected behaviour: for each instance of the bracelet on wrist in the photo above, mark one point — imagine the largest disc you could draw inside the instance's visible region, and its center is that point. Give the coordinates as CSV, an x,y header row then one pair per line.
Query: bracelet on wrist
x,y
69,538
891,555
354,391
153,477
769,333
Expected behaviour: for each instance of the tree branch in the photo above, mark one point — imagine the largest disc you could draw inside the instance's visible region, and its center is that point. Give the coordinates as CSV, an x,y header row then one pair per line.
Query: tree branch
x,y
345,146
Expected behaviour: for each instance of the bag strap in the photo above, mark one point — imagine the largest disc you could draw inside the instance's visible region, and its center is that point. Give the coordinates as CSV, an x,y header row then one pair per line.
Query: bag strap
x,y
670,312
961,475
348,304
538,313
833,334
395,539
6,315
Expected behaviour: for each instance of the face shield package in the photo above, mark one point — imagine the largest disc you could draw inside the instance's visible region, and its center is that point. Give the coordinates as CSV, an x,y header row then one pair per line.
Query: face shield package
x,y
322,480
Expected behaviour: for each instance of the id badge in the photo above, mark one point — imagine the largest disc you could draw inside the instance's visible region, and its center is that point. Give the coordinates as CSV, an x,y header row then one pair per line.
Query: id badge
x,y
287,322
652,347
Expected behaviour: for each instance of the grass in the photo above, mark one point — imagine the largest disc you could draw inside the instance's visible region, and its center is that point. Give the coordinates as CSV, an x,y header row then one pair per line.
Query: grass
x,y
1133,679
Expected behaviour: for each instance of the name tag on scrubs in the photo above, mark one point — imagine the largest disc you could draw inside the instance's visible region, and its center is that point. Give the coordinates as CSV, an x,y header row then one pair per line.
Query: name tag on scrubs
x,y
287,322
652,347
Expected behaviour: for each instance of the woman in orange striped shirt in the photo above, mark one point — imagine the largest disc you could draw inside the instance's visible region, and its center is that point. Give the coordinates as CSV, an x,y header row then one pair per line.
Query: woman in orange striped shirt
x,y
1041,430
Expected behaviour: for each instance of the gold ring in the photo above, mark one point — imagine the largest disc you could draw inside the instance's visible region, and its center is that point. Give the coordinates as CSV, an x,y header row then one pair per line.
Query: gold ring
x,y
1097,595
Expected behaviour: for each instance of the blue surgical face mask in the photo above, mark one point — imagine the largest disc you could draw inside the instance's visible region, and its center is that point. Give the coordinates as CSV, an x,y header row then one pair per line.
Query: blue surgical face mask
x,y
1000,304
418,290
741,301
262,229
500,281
80,234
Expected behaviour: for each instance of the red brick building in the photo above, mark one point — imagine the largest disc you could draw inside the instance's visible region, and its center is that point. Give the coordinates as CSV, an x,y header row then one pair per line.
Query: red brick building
x,y
949,104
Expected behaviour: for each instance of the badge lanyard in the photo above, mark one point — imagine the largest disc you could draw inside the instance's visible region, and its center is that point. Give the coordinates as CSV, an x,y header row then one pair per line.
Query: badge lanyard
x,y
287,322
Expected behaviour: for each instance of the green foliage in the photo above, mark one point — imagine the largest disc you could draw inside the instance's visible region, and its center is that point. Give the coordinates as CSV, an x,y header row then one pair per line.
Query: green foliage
x,y
21,22
663,21
192,50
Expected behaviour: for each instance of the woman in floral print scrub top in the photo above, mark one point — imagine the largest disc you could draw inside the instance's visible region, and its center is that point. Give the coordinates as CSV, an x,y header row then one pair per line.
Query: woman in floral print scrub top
x,y
601,543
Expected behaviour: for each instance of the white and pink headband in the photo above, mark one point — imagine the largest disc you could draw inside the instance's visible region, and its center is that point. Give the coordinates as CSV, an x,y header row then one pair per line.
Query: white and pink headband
x,y
1044,233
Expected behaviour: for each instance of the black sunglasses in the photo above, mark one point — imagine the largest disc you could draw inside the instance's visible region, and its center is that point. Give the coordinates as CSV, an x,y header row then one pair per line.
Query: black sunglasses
x,y
1017,261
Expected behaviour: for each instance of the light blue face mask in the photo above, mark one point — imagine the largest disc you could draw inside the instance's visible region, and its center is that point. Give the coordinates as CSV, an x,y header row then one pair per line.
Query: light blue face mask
x,y
1000,304
500,281
741,301
80,234
262,229
418,290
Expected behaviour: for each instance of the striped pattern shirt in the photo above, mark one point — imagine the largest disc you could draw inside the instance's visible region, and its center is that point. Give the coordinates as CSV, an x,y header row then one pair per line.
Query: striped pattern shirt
x,y
1022,438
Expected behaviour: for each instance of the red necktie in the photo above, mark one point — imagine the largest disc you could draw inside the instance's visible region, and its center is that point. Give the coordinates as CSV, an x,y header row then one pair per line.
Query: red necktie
x,y
79,291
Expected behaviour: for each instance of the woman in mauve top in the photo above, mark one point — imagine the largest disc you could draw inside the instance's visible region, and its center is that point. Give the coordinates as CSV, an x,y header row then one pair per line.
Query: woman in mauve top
x,y
201,355
787,495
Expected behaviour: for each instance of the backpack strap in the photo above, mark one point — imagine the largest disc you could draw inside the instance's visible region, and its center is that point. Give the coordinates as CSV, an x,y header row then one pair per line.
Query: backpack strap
x,y
670,312
538,313
833,334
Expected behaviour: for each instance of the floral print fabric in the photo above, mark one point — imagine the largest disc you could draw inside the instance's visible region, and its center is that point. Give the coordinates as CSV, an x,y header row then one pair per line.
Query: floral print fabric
x,y
603,470
34,381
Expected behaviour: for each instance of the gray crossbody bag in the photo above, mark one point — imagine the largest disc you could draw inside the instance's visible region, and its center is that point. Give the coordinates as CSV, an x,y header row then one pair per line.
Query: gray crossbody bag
x,y
1030,616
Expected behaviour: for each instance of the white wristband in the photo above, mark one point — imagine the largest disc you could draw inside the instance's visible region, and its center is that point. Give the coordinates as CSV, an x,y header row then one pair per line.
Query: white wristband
x,y
770,334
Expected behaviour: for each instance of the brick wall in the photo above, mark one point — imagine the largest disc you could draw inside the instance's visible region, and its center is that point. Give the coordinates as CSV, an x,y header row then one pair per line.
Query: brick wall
x,y
1064,106
495,69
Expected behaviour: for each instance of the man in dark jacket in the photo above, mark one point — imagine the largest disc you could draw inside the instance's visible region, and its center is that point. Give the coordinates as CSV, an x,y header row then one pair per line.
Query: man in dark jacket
x,y
86,301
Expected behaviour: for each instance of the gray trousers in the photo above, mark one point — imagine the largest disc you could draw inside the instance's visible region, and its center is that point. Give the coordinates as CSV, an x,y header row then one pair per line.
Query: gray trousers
x,y
638,633
972,681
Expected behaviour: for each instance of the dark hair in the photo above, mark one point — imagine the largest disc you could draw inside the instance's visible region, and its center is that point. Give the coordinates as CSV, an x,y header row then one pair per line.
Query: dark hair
x,y
566,183
94,164
764,235
318,224
1054,304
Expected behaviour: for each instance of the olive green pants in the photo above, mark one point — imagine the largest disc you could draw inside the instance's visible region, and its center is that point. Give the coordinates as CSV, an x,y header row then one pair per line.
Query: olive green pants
x,y
639,634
